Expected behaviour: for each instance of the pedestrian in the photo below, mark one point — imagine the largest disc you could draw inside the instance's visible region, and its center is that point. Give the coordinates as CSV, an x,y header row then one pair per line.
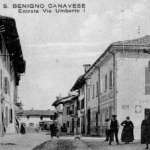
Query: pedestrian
x,y
145,131
114,128
54,130
22,128
107,131
127,132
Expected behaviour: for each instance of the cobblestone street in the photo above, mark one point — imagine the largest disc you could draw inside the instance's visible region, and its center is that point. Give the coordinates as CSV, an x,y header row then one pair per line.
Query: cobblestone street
x,y
22,142
99,144
42,141
86,143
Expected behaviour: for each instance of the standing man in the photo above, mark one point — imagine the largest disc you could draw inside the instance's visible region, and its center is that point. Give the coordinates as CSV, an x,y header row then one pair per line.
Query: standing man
x,y
114,128
145,131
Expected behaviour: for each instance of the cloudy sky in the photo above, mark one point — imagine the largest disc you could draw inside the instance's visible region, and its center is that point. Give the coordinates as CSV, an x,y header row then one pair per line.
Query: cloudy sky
x,y
55,46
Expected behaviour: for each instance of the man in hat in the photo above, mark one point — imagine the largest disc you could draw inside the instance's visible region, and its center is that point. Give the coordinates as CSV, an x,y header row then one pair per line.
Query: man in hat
x,y
114,128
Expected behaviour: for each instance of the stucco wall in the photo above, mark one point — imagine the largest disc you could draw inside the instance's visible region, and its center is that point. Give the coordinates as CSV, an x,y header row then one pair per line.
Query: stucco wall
x,y
106,96
32,119
92,102
131,98
7,99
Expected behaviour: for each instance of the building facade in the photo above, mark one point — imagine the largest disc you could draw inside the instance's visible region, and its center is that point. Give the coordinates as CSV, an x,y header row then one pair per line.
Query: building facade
x,y
123,82
118,82
12,65
92,101
33,118
79,87
69,114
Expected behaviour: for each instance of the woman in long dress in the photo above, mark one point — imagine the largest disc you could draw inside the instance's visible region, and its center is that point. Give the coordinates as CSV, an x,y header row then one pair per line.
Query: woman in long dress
x,y
127,132
22,128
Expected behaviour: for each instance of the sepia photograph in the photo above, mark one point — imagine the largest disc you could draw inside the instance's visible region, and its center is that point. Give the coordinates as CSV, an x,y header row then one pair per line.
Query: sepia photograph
x,y
74,74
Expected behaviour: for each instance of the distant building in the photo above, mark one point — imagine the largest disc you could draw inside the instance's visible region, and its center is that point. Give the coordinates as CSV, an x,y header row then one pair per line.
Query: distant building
x,y
119,83
92,101
79,87
59,110
12,65
69,115
34,117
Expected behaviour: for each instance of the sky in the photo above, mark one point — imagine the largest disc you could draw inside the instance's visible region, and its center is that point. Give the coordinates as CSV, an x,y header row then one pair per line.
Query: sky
x,y
55,46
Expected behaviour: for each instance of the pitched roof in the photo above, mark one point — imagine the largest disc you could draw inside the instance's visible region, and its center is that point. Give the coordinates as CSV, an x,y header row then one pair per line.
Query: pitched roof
x,y
64,100
12,42
36,113
142,42
145,41
79,82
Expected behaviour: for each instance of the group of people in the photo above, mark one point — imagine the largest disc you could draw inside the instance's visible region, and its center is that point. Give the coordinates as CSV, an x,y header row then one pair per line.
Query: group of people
x,y
112,128
127,135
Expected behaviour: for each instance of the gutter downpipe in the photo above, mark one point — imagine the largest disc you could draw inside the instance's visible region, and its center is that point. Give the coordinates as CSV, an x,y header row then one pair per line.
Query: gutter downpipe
x,y
114,82
86,123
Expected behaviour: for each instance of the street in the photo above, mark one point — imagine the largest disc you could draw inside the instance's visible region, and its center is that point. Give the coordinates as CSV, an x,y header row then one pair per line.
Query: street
x,y
42,141
22,142
87,143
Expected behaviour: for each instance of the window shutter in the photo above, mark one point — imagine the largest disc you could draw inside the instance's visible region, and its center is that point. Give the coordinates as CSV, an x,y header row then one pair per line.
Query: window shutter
x,y
11,116
105,82
110,80
147,81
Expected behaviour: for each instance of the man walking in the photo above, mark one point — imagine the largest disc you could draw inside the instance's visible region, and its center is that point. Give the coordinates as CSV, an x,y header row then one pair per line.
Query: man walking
x,y
114,127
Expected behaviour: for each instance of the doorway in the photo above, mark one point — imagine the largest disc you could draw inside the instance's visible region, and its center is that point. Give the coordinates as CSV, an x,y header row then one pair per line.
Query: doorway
x,y
88,121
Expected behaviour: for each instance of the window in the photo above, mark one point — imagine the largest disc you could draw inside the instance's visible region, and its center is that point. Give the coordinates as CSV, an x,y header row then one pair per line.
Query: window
x,y
96,89
1,79
110,111
82,104
78,122
101,85
10,116
68,110
78,105
88,93
93,91
72,109
6,116
110,80
6,86
105,82
147,81
0,44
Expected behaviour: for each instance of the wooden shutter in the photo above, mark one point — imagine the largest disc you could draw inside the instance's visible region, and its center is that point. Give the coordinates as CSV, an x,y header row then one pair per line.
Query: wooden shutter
x,y
110,80
147,81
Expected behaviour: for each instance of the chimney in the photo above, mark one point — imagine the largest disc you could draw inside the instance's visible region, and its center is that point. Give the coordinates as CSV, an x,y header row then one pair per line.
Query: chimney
x,y
58,97
86,67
